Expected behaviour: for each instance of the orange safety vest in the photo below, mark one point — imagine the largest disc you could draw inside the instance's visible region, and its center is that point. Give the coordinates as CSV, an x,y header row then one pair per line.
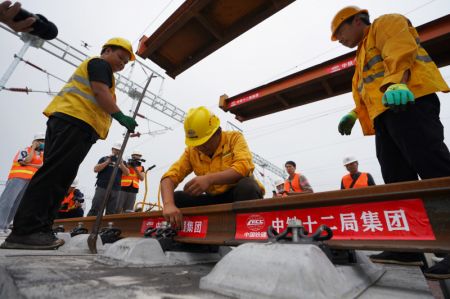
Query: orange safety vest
x,y
294,184
362,181
133,178
69,200
27,171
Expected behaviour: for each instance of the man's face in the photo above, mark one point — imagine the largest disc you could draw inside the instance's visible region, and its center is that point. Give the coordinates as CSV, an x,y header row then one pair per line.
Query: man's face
x,y
290,169
117,58
136,157
39,143
280,188
209,147
115,151
352,167
350,35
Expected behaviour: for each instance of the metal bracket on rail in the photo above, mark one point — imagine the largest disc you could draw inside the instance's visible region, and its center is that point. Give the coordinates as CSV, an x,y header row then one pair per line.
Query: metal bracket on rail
x,y
296,233
110,234
59,229
78,230
164,234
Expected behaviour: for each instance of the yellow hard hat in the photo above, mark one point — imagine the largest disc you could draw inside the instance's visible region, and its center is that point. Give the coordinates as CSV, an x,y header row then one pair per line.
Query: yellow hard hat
x,y
199,125
123,43
341,16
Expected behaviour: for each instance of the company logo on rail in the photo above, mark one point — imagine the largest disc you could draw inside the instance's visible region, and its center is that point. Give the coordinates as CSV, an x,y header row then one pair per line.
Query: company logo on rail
x,y
255,222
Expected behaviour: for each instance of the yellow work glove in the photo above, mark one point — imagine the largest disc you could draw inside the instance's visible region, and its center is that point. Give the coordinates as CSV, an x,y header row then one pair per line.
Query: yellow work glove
x,y
397,96
347,122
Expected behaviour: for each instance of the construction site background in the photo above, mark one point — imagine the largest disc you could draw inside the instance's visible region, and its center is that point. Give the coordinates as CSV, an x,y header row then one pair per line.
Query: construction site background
x,y
291,40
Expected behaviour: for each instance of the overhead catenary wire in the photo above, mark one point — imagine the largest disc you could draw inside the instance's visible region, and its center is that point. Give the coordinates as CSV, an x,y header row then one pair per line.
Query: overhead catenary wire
x,y
295,121
29,90
308,60
316,147
275,129
153,21
39,68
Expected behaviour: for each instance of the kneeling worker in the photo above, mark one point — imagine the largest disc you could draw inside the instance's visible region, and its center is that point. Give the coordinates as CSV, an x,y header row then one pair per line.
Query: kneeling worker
x,y
72,204
221,162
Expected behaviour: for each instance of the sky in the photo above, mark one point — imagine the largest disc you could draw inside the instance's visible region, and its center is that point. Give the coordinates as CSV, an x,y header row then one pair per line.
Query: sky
x,y
295,38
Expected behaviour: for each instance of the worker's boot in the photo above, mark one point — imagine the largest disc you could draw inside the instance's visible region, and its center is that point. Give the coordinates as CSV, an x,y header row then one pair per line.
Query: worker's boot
x,y
399,258
35,241
440,270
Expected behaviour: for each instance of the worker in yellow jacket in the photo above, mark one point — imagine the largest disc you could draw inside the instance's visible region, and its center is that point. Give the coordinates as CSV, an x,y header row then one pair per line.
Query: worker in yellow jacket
x,y
394,88
78,115
221,162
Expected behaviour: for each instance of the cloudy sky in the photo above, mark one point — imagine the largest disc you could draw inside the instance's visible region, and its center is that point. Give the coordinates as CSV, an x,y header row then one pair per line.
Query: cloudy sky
x,y
295,38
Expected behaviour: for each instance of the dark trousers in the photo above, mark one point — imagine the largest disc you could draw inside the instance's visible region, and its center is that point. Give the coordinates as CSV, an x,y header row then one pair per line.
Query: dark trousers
x,y
111,203
66,146
245,189
74,213
411,143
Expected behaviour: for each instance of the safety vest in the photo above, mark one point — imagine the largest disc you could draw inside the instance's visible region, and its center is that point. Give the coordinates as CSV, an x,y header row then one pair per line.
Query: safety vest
x,y
133,178
25,172
362,181
70,202
376,68
77,99
294,184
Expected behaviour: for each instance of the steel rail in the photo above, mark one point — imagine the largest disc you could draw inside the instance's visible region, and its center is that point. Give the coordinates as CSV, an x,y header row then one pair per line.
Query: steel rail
x,y
221,229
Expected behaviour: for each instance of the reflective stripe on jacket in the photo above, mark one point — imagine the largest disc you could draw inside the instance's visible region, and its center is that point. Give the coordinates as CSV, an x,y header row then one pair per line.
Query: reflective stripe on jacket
x,y
362,181
232,152
133,178
27,171
391,46
77,99
293,185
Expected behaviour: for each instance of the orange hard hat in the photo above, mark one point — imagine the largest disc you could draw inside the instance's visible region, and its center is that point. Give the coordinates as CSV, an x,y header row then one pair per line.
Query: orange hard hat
x,y
342,15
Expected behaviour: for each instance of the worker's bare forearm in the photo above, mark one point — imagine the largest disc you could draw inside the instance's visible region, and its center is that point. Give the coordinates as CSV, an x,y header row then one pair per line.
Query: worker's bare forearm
x,y
101,166
228,176
167,189
104,97
125,170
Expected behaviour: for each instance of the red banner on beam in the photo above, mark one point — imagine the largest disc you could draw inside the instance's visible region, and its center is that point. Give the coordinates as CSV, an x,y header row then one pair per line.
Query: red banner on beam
x,y
388,220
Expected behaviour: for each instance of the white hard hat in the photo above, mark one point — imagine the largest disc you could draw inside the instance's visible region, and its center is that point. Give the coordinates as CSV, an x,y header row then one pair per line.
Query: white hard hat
x,y
74,183
136,153
40,135
348,160
279,182
117,145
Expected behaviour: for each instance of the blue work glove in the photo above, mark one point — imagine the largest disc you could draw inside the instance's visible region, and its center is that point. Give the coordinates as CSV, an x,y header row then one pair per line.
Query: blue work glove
x,y
347,122
397,96
126,121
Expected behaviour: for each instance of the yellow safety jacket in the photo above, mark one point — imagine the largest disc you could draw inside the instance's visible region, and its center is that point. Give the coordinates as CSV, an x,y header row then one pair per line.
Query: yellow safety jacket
x,y
77,99
25,171
232,152
390,46
133,178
